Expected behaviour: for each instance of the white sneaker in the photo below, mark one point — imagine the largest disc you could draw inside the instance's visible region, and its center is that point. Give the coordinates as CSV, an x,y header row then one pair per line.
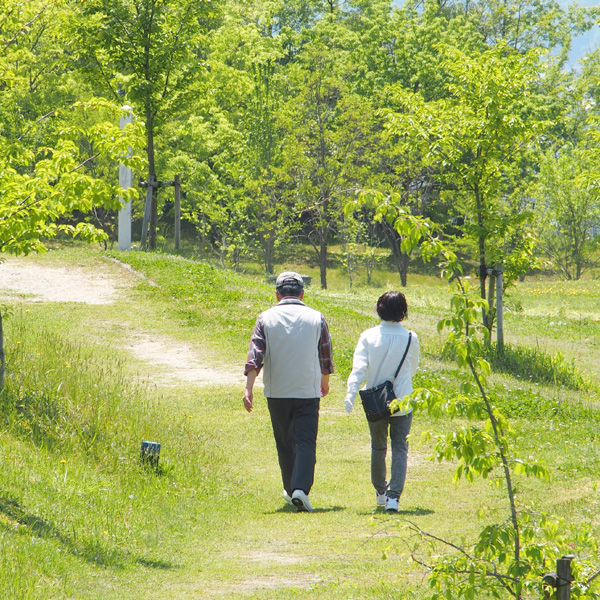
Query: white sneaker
x,y
391,505
301,502
287,497
381,498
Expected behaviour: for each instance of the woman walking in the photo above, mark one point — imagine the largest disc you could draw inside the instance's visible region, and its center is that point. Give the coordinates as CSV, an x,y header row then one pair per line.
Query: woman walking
x,y
377,355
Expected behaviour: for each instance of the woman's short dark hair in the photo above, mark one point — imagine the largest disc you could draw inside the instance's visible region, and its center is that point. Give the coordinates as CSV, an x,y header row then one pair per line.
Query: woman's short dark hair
x,y
392,307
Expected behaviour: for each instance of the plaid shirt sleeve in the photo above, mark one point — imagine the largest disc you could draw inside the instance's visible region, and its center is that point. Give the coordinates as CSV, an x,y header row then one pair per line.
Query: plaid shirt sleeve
x,y
258,346
325,349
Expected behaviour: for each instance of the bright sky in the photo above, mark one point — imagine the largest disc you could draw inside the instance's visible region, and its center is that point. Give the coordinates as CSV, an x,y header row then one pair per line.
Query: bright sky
x,y
581,44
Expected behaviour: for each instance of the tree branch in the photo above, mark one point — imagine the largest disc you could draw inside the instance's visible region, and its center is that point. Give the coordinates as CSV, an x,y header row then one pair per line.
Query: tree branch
x,y
87,160
24,27
43,117
503,580
590,579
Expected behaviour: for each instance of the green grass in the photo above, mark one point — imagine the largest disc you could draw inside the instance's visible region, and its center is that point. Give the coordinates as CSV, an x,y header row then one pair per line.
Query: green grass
x,y
539,367
81,518
73,489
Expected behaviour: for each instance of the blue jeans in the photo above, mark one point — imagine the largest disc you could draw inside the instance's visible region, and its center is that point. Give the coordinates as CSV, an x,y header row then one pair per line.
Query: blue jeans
x,y
295,426
399,428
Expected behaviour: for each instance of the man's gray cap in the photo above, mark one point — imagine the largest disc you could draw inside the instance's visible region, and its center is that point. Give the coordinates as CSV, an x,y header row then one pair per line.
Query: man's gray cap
x,y
289,278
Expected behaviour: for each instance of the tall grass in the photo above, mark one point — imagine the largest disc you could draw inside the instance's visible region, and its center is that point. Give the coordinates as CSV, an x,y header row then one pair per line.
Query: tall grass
x,y
65,398
535,365
74,495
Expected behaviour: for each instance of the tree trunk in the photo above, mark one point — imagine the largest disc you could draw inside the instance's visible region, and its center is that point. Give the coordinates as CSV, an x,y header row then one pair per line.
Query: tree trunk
x,y
323,258
269,254
401,259
481,251
151,174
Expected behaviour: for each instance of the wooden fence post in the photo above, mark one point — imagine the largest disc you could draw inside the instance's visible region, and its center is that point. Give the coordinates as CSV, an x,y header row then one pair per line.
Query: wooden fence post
x,y
499,310
177,185
147,211
560,579
564,577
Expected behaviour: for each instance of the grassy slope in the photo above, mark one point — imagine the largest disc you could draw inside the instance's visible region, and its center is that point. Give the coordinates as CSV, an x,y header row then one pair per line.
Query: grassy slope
x,y
96,526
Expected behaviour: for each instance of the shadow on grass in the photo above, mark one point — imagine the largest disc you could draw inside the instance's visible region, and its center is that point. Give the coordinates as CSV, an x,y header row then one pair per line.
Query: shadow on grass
x,y
292,509
417,511
91,551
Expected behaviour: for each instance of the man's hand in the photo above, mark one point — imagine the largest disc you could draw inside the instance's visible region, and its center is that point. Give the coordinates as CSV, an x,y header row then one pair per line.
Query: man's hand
x,y
248,394
324,385
248,397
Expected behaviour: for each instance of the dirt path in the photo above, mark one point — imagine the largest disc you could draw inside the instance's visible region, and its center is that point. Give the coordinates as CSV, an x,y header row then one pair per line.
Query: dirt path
x,y
38,283
177,361
181,362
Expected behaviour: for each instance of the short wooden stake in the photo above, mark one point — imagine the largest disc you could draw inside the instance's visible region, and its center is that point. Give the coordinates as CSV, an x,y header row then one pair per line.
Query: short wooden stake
x,y
150,453
564,577
561,578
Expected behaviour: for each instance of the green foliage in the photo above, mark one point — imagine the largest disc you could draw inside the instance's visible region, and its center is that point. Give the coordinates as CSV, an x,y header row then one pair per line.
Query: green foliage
x,y
569,212
146,54
49,143
146,49
471,133
509,558
42,187
489,568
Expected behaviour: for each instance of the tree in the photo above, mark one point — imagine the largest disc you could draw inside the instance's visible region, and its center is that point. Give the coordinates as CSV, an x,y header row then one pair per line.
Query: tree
x,y
473,134
567,212
525,24
400,48
48,142
45,155
326,125
508,557
145,52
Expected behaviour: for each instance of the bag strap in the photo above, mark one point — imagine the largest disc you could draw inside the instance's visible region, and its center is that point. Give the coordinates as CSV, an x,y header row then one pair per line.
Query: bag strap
x,y
404,355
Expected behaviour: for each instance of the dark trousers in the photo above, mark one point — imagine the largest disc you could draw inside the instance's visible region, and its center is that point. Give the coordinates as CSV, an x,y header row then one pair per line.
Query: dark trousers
x,y
295,426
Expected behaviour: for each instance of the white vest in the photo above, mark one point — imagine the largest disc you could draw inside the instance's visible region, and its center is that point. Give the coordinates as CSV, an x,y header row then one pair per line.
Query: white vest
x,y
291,363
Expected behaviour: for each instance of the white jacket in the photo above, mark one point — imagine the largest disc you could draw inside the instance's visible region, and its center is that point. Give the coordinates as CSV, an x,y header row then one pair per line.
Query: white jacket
x,y
376,358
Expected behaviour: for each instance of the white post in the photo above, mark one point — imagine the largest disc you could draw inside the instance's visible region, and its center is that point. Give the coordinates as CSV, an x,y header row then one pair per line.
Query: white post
x,y
125,180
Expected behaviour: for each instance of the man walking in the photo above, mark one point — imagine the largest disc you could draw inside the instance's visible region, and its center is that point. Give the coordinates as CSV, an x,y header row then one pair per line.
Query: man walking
x,y
292,342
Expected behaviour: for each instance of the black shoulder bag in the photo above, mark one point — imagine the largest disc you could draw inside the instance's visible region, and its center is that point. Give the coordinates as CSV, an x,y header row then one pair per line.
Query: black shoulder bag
x,y
376,400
